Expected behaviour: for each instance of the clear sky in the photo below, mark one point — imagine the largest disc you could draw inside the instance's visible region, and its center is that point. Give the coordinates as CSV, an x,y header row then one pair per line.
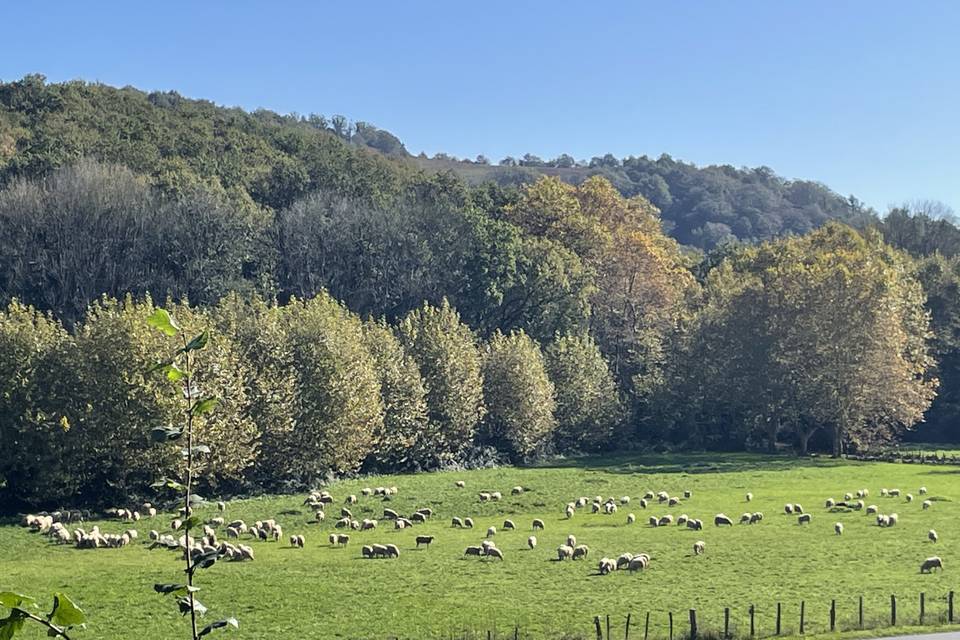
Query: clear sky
x,y
861,95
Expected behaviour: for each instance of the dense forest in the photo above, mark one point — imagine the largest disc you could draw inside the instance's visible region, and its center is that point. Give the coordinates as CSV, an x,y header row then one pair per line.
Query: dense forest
x,y
369,313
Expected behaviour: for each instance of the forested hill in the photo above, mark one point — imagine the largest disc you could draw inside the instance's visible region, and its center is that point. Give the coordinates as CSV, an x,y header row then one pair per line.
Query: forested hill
x,y
273,160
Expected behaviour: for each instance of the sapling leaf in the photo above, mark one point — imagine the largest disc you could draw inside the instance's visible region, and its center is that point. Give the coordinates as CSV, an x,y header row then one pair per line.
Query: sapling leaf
x,y
162,320
65,612
219,624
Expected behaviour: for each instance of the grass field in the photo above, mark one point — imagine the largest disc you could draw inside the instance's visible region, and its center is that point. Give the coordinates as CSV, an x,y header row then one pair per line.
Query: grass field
x,y
322,592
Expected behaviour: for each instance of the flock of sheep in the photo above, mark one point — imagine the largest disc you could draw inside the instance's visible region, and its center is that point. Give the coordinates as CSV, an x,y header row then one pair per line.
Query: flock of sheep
x,y
210,547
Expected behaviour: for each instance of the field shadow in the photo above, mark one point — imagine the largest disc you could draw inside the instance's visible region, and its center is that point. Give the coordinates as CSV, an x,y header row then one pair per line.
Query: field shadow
x,y
690,463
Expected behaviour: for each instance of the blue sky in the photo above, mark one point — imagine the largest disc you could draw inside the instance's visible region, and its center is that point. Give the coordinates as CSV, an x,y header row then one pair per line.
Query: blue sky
x,y
861,95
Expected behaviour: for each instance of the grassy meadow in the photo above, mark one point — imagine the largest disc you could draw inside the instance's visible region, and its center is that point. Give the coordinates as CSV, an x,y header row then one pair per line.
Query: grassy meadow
x,y
324,592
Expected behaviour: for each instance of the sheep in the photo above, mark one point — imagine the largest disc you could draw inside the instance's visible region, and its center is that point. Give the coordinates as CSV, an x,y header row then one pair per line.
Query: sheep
x,y
606,566
872,509
366,551
639,562
495,496
319,516
390,514
829,503
756,517
930,564
883,521
749,496
155,535
366,491
460,484
486,545
894,493
580,552
847,497
721,519
532,542
663,496
745,518
426,512
648,495
609,508
687,494
892,519
654,521
858,505
215,522
456,523
804,518
473,551
508,524
537,524
838,528
297,541
378,550
696,524
366,525
932,535
221,506
797,507
665,521
208,531
345,513
339,539
926,504
277,533
571,540
922,491
631,518
625,500
581,502
342,523
595,507
909,497
672,502
643,503
417,517
623,560
231,533
569,512
427,540
468,523
788,508
399,523
493,552
699,547
491,531
884,492
351,499
564,552
176,524
516,491
246,553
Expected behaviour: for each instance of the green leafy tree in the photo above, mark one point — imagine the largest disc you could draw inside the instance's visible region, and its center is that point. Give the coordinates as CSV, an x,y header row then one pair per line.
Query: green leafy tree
x,y
64,617
518,395
446,353
588,408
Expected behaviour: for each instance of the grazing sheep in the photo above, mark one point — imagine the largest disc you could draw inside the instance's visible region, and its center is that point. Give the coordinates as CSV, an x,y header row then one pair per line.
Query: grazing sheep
x,y
537,524
460,484
319,516
154,535
366,525
909,497
176,524
625,500
847,497
749,496
932,536
343,539
297,541
797,507
580,552
643,503
417,517
426,512
516,491
804,518
491,531
687,494
624,560
930,564
495,496
665,521
672,502
872,509
654,521
830,503
486,545
639,562
922,491
682,519
595,507
351,499
473,551
379,550
457,523
366,551
699,547
569,512
648,495
564,552
390,514
609,508
532,542
838,528
468,523
631,518
345,513
393,551
342,523
493,552
663,496
858,505
926,504
399,523
891,519
788,508
756,517
883,521
427,540
571,540
721,519
745,518
884,492
606,566
508,524
894,493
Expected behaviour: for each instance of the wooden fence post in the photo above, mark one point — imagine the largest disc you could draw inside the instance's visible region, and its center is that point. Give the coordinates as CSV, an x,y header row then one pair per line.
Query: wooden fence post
x,y
802,609
489,634
833,615
922,605
861,612
893,610
626,630
646,626
516,632
778,618
950,607
693,624
608,626
670,615
753,629
596,623
726,622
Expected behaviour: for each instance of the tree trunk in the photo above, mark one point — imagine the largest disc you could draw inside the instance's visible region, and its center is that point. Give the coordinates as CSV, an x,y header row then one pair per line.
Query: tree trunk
x,y
837,441
805,439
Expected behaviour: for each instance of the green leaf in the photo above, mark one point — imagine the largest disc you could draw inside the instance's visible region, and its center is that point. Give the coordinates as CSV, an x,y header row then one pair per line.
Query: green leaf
x,y
65,612
174,589
184,604
166,434
198,342
11,624
12,600
189,523
159,365
200,448
219,624
206,405
164,322
174,373
206,560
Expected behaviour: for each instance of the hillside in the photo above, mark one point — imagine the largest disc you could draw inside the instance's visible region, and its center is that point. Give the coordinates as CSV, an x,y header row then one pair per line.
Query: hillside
x,y
275,159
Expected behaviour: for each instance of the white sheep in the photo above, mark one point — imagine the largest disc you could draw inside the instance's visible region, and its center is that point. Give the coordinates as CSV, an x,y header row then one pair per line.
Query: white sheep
x,y
804,518
606,566
580,552
926,504
516,491
838,528
687,494
847,497
922,491
654,521
749,496
639,562
699,547
788,508
538,524
460,484
571,540
673,501
932,535
930,564
745,518
494,553
872,509
643,503
909,497
829,503
894,493
665,520
625,500
569,512
508,524
491,531
631,518
532,542
564,552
